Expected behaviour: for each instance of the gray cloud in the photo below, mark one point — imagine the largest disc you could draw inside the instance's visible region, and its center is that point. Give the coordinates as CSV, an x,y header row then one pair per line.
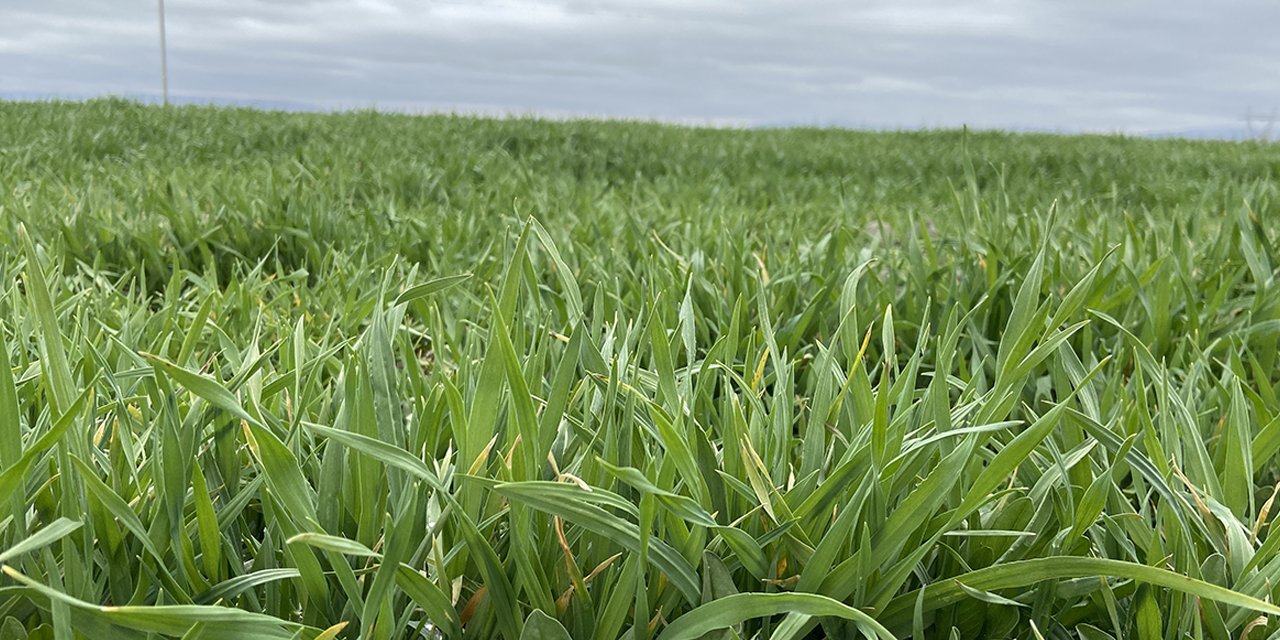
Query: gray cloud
x,y
1131,65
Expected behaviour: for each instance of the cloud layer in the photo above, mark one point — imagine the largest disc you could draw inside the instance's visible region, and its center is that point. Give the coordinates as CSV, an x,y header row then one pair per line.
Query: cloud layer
x,y
1124,65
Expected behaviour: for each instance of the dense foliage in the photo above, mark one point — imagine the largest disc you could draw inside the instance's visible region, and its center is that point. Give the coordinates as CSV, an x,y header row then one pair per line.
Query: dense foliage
x,y
270,375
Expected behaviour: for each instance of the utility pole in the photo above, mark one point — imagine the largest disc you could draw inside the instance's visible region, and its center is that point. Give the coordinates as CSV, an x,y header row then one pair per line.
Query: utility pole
x,y
164,62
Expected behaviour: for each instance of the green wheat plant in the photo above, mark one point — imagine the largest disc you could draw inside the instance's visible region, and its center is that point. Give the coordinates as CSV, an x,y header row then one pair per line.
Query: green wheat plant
x,y
358,375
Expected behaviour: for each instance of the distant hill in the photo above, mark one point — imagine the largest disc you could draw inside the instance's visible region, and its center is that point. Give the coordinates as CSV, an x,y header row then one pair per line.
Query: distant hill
x,y
1237,133
145,98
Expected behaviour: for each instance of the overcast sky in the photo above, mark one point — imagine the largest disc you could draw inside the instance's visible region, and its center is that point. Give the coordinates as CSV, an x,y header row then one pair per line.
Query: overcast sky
x,y
1113,65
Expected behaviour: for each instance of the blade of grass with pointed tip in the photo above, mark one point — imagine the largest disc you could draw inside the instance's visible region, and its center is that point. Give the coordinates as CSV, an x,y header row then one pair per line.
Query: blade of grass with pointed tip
x,y
51,533
572,296
206,524
202,386
61,385
387,454
333,543
1025,573
233,587
430,599
1237,464
732,610
173,620
417,292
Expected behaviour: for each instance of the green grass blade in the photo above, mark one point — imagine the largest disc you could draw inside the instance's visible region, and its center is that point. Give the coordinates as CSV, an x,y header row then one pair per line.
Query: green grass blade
x,y
732,610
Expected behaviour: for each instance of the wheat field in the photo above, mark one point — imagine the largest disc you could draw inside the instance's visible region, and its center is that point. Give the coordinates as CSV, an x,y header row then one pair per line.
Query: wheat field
x,y
359,375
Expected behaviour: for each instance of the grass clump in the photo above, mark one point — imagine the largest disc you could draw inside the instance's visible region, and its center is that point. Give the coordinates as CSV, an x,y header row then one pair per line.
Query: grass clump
x,y
273,375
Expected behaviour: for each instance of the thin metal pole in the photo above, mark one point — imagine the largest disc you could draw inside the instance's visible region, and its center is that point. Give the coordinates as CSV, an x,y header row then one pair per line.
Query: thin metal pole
x,y
164,62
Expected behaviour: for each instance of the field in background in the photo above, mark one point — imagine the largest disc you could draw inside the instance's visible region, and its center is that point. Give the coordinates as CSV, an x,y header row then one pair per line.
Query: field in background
x,y
264,375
